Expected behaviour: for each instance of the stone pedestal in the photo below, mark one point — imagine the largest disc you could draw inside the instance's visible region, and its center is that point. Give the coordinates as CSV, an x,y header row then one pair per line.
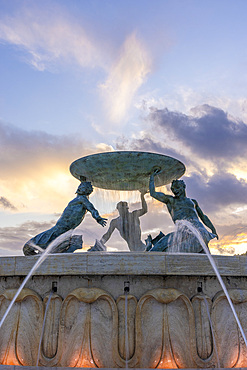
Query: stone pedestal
x,y
168,304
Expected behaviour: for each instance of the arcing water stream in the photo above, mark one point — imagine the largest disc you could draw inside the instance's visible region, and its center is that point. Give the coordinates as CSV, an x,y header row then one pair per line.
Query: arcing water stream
x,y
187,224
212,330
40,260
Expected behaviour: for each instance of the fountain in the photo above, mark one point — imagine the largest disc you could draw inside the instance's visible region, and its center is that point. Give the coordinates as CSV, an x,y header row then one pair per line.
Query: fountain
x,y
161,320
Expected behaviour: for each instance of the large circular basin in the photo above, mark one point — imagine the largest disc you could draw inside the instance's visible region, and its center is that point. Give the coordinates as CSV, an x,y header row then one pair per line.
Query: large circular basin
x,y
126,170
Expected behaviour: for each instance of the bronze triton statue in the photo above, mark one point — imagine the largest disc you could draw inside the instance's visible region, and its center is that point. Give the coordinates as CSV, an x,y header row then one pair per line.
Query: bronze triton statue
x,y
71,217
181,208
128,225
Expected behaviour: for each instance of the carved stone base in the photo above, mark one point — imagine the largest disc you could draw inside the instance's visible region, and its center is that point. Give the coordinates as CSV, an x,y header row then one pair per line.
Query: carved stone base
x,y
168,304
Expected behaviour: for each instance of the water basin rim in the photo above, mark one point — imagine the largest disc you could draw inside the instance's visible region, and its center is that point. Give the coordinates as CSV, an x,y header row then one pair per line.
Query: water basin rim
x,y
126,170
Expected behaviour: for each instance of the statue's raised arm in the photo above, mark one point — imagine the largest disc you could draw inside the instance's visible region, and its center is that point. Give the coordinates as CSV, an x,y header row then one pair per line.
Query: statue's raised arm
x,y
142,211
164,198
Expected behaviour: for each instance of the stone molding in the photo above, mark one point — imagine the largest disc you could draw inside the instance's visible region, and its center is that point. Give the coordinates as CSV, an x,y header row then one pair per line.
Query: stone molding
x,y
166,329
124,263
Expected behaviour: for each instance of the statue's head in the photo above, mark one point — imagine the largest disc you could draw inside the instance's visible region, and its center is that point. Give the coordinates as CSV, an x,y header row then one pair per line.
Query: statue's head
x,y
122,207
178,187
85,188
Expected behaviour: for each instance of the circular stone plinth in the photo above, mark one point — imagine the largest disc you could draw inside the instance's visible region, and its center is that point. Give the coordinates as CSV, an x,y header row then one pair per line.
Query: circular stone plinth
x,y
126,170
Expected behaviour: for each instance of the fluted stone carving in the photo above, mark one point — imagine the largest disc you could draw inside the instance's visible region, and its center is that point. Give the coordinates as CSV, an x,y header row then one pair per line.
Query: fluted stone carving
x,y
165,329
169,345
131,331
131,307
204,340
51,330
230,345
88,325
20,333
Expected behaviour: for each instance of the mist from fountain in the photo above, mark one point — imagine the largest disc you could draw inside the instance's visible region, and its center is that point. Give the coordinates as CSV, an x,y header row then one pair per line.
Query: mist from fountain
x,y
105,200
176,240
183,225
51,247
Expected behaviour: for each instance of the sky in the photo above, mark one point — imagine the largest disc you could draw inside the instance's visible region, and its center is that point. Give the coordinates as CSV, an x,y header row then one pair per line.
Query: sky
x,y
80,77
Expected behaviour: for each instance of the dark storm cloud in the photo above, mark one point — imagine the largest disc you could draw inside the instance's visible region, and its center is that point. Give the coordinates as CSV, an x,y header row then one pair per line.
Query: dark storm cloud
x,y
212,192
221,190
211,133
5,203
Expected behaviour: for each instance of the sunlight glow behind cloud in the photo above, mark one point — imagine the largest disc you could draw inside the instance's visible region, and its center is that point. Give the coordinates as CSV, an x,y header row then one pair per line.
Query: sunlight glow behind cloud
x,y
230,244
62,42
126,76
38,166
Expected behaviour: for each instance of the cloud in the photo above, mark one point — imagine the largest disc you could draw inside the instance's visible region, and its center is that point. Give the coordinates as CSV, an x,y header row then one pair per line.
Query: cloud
x,y
148,143
127,74
12,239
221,190
35,168
212,146
182,98
5,203
233,240
210,133
27,153
20,147
34,173
57,41
49,42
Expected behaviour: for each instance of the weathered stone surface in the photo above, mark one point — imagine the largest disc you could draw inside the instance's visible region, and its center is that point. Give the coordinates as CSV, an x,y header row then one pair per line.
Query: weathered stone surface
x,y
131,328
167,322
124,263
19,334
51,328
204,339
